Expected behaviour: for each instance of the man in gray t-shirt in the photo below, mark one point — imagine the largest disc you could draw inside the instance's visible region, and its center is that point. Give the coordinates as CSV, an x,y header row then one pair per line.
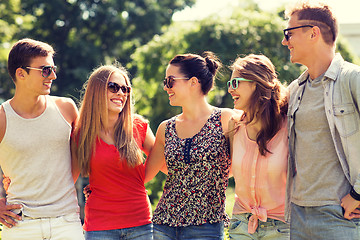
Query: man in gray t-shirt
x,y
323,191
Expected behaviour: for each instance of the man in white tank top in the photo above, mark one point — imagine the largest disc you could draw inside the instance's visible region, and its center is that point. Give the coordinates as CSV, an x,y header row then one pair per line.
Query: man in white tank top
x,y
35,131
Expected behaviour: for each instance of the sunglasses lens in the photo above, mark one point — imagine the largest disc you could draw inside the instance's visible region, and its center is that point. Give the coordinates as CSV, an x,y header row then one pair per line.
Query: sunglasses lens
x,y
46,71
168,82
234,83
113,87
125,89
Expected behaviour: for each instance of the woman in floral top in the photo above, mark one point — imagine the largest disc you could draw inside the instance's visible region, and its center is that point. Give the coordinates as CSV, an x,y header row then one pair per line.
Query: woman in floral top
x,y
193,149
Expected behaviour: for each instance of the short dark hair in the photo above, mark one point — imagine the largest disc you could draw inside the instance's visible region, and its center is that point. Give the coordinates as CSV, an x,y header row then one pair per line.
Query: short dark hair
x,y
317,14
203,68
24,51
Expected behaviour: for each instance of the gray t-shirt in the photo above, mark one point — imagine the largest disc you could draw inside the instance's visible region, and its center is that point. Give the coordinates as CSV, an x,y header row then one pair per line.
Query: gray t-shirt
x,y
320,179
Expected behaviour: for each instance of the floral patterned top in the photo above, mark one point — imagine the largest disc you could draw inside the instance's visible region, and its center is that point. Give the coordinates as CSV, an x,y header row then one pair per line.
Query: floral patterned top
x,y
198,170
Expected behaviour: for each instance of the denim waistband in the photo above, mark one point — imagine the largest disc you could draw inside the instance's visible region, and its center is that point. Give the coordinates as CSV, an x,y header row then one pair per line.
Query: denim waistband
x,y
244,217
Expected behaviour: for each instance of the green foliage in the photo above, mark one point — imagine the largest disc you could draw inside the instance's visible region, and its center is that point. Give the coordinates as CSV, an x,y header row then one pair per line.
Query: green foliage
x,y
86,33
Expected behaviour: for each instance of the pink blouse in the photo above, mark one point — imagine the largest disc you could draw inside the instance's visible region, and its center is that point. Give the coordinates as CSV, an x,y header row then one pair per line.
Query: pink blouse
x,y
260,180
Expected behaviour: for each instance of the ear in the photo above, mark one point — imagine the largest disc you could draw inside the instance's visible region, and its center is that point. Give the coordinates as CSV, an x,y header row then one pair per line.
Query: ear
x,y
194,81
20,73
316,33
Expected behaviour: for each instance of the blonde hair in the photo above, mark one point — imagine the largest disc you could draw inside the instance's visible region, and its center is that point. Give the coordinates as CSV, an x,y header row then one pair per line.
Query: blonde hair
x,y
94,118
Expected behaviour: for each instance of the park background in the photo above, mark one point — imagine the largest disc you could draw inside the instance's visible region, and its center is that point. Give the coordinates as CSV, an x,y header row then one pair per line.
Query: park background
x,y
143,35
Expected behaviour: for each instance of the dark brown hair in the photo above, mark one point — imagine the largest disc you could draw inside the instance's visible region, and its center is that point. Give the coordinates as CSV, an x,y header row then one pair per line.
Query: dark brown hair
x,y
268,102
203,68
24,51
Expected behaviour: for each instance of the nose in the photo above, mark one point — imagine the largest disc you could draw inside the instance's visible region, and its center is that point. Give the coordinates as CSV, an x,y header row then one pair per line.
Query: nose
x,y
230,89
284,42
52,76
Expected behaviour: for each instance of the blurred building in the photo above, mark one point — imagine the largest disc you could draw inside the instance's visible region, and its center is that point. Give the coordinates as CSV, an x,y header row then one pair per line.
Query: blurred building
x,y
351,32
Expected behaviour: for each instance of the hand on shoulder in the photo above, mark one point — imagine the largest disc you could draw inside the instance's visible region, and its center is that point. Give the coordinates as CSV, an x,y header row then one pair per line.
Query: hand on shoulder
x,y
226,115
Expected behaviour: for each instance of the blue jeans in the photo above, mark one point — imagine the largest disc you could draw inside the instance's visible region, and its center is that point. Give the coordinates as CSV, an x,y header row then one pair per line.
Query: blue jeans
x,y
323,222
204,231
271,229
144,232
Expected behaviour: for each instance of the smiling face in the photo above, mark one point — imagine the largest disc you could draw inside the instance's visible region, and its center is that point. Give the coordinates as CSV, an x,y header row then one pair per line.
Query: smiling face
x,y
32,80
242,94
179,89
116,101
298,41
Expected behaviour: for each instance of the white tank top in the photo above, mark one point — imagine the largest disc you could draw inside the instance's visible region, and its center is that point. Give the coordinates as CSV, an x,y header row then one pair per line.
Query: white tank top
x,y
35,154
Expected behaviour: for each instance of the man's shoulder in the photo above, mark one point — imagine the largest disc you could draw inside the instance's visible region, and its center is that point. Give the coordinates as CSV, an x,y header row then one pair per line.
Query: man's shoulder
x,y
350,68
62,100
67,107
64,103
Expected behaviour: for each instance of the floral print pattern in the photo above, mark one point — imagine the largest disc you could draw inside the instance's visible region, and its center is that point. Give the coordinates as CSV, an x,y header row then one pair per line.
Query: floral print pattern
x,y
198,170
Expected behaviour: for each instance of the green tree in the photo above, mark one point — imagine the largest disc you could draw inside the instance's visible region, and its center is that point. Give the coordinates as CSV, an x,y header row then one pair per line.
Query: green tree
x,y
248,30
86,33
9,18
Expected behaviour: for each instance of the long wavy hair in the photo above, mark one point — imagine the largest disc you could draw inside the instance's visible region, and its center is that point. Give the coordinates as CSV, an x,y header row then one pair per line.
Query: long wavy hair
x,y
94,118
268,103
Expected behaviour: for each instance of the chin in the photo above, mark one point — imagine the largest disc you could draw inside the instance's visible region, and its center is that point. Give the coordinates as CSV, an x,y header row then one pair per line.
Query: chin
x,y
171,103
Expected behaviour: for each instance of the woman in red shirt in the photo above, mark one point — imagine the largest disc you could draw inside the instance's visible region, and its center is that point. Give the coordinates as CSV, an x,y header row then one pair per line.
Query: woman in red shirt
x,y
109,143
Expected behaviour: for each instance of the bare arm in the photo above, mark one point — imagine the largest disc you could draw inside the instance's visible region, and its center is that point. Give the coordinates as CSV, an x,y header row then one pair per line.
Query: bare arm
x,y
75,170
70,112
156,159
7,217
2,123
149,141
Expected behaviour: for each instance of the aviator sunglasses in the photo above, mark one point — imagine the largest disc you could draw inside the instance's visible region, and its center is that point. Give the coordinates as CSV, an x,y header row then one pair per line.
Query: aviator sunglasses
x,y
234,83
45,70
169,81
114,88
286,31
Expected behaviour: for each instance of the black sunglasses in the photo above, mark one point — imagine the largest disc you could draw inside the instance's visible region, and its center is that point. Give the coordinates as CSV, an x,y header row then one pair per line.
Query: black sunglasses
x,y
234,83
45,70
286,31
114,88
169,81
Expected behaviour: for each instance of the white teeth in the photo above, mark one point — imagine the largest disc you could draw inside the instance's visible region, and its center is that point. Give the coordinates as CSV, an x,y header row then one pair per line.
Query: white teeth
x,y
235,97
117,101
47,84
171,94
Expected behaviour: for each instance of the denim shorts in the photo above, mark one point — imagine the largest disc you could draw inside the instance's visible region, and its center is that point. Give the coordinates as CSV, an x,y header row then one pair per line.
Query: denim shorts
x,y
144,232
205,231
271,229
323,222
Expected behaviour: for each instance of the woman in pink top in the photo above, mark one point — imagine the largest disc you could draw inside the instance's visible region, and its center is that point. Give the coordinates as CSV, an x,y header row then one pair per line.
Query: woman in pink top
x,y
259,150
109,141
